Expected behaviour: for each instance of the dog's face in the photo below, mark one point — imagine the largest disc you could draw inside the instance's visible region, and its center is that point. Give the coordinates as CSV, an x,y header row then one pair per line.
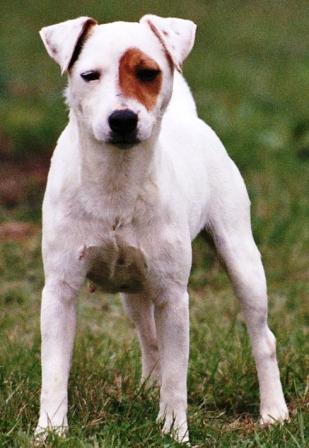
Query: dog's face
x,y
120,74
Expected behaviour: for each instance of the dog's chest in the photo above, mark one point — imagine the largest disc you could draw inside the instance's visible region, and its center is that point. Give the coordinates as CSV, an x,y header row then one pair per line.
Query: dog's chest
x,y
117,265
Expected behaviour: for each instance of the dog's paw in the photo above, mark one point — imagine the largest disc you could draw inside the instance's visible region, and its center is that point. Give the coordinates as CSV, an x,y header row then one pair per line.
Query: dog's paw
x,y
175,424
42,433
274,414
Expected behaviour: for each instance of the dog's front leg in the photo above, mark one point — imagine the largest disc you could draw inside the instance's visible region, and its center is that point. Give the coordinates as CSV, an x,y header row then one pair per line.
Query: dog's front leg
x,y
58,322
172,322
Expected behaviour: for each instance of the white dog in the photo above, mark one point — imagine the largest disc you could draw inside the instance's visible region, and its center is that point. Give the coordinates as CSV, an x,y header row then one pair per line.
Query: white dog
x,y
135,177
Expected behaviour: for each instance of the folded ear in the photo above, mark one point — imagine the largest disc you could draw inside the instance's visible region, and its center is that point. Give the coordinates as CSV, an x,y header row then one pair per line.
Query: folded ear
x,y
63,39
176,35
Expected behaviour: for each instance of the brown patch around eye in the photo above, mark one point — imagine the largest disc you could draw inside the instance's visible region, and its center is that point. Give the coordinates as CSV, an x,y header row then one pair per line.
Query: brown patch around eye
x,y
133,62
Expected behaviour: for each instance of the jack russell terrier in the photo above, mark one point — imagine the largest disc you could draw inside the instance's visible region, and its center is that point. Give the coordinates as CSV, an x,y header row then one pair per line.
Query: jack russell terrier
x,y
135,176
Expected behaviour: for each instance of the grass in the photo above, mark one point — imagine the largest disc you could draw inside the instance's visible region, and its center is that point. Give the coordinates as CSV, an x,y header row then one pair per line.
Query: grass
x,y
249,73
108,408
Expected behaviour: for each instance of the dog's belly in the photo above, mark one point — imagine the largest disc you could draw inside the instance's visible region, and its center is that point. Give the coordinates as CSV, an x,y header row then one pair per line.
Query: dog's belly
x,y
117,267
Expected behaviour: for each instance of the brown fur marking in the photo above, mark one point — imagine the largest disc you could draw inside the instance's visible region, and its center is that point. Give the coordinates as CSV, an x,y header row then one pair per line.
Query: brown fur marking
x,y
81,40
161,39
145,92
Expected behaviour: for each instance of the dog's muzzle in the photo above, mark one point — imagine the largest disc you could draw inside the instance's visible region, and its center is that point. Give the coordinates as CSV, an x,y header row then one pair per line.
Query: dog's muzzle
x,y
123,124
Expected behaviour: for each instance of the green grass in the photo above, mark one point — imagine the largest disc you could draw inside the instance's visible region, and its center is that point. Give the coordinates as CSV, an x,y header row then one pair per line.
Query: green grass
x,y
108,408
249,73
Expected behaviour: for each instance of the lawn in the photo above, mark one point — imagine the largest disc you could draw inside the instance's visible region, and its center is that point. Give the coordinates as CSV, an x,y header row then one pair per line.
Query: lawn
x,y
249,73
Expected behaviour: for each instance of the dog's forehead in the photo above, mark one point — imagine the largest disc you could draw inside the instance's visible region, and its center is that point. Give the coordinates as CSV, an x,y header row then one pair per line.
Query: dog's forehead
x,y
110,41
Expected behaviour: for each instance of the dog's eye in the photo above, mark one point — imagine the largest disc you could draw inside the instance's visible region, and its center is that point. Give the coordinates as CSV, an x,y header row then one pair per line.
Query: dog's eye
x,y
91,75
147,74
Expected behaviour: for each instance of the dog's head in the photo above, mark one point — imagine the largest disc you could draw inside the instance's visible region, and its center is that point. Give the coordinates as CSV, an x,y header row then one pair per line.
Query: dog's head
x,y
120,74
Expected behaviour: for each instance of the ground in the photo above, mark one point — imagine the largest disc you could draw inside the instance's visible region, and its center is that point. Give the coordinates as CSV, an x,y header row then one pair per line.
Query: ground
x,y
249,73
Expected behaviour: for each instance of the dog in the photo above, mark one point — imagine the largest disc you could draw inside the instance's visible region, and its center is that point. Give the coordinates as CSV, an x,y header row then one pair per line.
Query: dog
x,y
135,177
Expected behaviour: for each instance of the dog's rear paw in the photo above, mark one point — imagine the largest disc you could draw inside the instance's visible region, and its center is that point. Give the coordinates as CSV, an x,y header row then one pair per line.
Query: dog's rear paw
x,y
274,414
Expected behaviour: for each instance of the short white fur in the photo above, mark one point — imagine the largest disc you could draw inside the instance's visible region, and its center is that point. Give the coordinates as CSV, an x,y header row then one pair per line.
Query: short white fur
x,y
146,203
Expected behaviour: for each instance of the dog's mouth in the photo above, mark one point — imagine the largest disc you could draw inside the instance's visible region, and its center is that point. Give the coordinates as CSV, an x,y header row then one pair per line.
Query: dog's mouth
x,y
126,141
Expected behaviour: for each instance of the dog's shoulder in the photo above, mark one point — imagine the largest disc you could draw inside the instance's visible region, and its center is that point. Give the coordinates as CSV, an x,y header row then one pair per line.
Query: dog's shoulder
x,y
64,166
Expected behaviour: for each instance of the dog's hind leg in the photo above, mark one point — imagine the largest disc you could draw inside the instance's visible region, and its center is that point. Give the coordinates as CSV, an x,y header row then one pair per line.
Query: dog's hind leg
x,y
231,230
140,309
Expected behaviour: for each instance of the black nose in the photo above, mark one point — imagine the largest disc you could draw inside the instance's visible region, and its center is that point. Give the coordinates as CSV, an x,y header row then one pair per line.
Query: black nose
x,y
123,122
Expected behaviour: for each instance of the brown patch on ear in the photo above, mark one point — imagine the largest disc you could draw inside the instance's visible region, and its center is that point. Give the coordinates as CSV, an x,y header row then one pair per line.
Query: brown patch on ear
x,y
146,92
166,52
80,42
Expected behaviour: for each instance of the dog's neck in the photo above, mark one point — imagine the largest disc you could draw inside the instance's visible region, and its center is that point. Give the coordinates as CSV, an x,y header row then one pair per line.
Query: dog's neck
x,y
112,179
